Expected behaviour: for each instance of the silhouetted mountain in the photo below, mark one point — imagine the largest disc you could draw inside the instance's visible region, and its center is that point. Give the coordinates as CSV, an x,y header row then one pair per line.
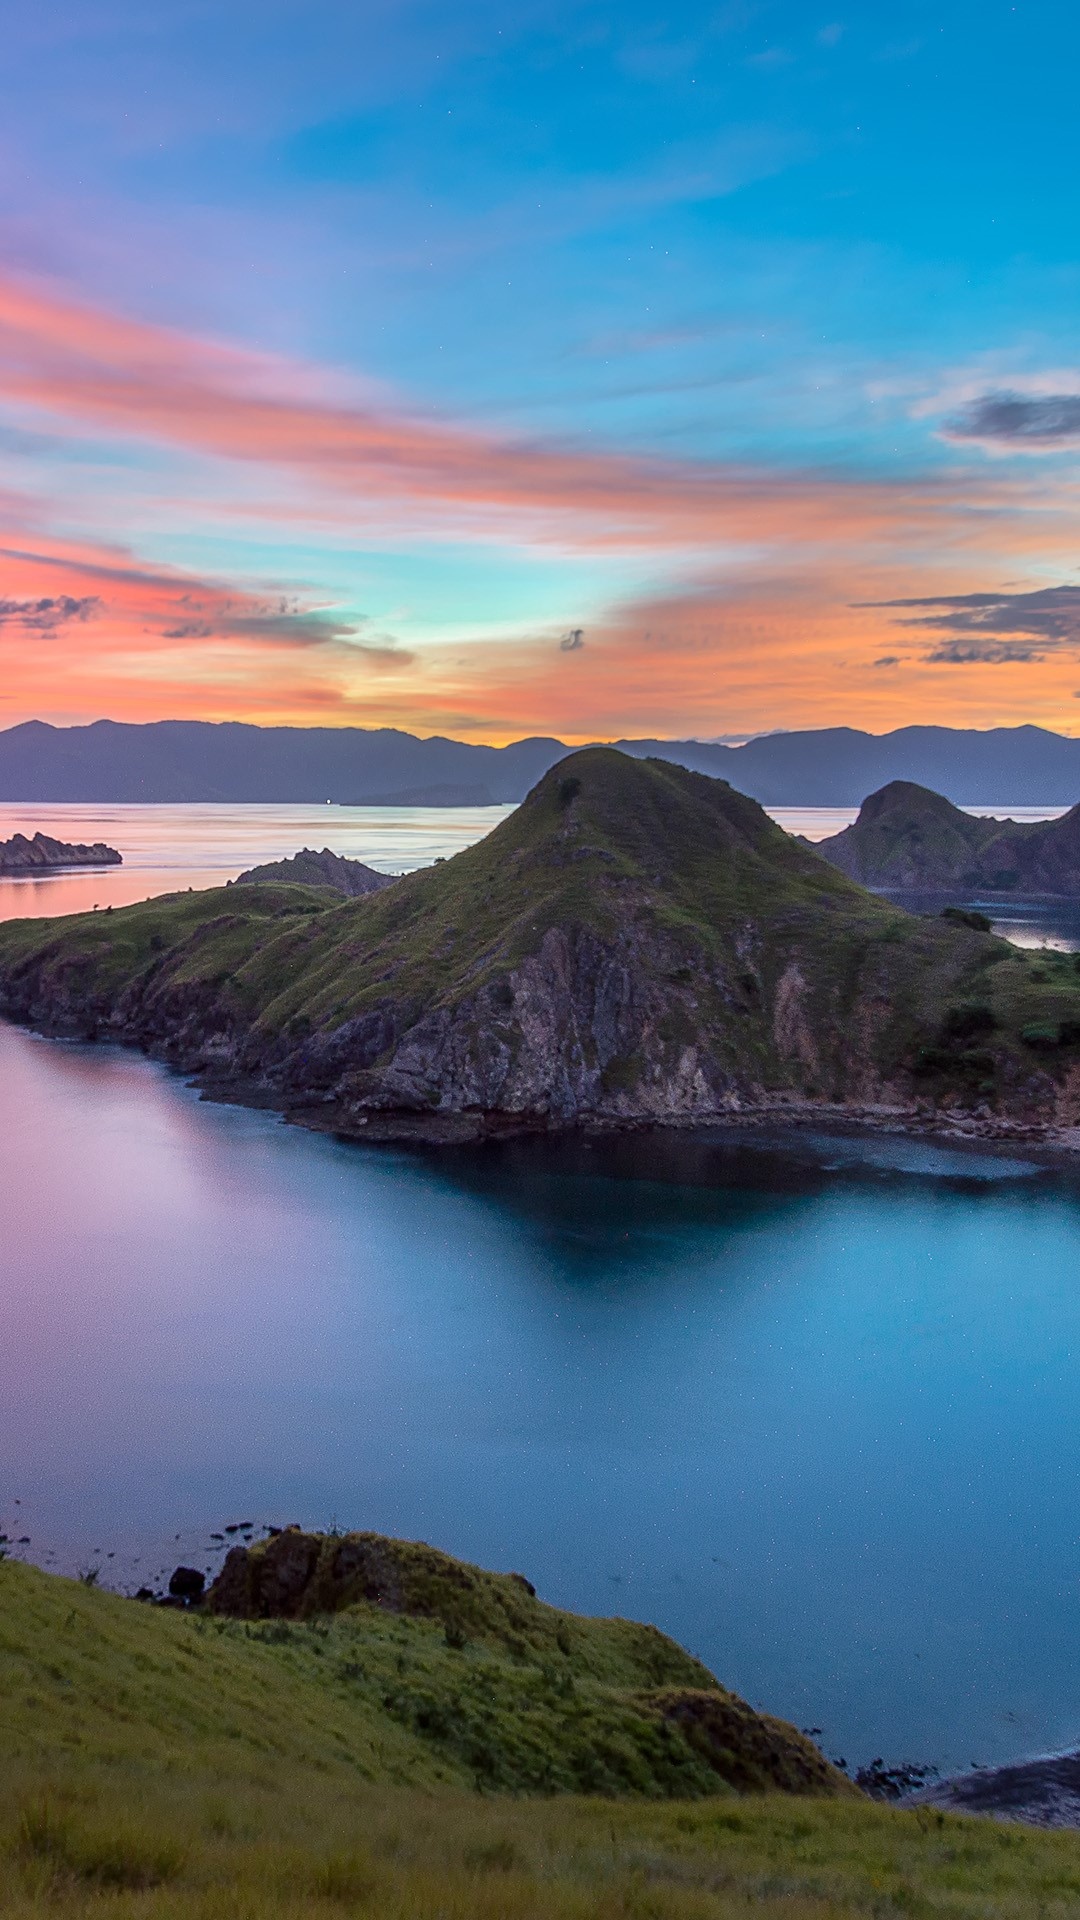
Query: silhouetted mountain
x,y
195,760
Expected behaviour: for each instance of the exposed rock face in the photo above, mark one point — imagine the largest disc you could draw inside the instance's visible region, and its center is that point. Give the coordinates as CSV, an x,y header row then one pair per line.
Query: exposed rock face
x,y
310,869
20,855
909,838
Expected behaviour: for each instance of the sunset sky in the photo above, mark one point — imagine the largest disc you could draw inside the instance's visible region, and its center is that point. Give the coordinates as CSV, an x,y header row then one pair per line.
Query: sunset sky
x,y
583,369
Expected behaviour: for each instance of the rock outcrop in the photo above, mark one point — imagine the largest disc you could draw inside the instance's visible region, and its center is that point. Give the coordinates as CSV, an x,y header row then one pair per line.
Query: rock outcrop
x,y
310,869
671,1696
21,855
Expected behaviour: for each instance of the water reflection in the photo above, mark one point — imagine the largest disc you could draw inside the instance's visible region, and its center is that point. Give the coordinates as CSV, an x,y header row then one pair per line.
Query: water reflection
x,y
167,848
1050,924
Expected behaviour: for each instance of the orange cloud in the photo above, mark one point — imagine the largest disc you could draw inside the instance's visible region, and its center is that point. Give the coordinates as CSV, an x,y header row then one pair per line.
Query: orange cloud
x,y
766,634
86,630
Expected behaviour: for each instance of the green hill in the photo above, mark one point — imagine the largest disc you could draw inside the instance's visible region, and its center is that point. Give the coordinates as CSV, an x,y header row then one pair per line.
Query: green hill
x,y
381,1761
635,943
909,838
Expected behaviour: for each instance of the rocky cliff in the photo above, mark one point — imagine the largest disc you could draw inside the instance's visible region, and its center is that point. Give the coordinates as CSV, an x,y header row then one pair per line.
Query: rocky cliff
x,y
20,855
635,943
909,838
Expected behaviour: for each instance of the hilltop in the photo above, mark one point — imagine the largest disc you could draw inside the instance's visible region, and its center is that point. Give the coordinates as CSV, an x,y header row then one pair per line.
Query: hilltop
x,y
460,1753
907,837
635,943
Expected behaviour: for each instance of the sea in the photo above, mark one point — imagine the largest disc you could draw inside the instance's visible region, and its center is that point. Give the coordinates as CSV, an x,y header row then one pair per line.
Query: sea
x,y
807,1400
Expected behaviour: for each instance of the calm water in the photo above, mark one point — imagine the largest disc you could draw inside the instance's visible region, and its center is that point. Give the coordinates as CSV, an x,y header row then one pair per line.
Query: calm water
x,y
815,1415
169,847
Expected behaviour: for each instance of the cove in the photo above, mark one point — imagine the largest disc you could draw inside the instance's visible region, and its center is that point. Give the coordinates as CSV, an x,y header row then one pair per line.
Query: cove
x,y
809,1405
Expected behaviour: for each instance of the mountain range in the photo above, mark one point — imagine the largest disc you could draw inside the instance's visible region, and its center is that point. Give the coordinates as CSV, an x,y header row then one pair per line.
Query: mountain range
x,y
636,943
110,762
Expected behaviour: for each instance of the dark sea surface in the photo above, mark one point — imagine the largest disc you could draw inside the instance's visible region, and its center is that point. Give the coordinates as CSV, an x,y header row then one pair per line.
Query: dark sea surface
x,y
809,1405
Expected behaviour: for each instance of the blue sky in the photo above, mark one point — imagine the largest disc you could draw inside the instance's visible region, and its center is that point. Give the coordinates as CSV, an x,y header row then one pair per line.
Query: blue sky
x,y
813,248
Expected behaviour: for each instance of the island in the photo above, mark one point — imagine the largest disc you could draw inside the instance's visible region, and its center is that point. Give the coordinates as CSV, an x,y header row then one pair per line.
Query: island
x,y
907,838
310,869
42,854
635,945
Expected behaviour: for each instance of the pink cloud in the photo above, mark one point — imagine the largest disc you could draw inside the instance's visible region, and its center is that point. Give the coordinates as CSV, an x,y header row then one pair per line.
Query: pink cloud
x,y
103,371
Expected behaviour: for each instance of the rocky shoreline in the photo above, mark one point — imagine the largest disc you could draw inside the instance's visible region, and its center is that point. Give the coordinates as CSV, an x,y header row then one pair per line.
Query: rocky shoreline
x,y
955,1127
1036,1793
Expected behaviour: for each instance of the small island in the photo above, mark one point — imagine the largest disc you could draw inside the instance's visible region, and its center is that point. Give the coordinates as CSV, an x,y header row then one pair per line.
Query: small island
x,y
42,854
326,869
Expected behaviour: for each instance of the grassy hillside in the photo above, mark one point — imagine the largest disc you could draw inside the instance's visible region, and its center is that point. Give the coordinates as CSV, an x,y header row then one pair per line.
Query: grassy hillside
x,y
159,1764
635,942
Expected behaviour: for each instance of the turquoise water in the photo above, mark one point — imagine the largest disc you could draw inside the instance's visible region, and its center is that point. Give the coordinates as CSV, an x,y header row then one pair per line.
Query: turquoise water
x,y
811,1406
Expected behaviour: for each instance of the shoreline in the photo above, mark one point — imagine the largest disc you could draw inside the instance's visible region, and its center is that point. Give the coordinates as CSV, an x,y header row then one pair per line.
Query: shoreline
x,y
952,1127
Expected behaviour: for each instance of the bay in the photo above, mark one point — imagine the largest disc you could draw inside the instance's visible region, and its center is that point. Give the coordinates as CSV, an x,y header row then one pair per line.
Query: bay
x,y
807,1404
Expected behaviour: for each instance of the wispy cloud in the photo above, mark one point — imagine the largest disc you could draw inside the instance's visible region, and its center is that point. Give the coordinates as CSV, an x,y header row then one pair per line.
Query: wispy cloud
x,y
87,367
996,629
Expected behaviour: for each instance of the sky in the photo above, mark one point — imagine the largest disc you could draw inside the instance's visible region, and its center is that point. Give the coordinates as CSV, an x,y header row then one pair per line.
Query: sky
x,y
588,370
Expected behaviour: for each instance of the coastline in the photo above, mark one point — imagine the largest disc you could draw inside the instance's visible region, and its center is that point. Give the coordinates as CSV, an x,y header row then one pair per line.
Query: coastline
x,y
953,1127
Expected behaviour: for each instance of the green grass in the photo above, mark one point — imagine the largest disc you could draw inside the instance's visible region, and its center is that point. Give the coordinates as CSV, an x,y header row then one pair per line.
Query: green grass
x,y
155,1765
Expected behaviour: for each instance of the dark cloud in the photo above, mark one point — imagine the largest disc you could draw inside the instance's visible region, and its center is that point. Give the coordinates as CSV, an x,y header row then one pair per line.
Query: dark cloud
x,y
988,653
996,628
888,660
1019,420
287,622
573,641
45,616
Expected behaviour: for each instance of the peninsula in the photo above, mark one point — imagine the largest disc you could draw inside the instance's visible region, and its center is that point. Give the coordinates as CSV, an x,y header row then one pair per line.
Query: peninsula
x,y
909,838
635,944
20,855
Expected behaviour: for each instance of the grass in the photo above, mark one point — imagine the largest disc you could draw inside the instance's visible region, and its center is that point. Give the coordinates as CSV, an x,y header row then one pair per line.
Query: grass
x,y
157,1765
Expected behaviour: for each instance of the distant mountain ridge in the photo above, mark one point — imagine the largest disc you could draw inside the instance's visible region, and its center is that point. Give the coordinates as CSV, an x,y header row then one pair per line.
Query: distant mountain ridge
x,y
907,837
188,761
